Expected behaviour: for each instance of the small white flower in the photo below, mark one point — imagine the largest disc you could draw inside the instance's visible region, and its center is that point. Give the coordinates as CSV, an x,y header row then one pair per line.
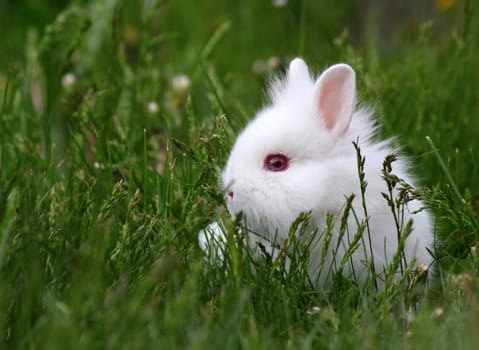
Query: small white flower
x,y
280,3
97,165
153,107
314,310
273,63
422,268
68,81
181,83
438,311
473,250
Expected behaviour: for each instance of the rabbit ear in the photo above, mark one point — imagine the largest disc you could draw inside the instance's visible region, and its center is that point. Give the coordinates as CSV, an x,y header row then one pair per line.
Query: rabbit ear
x,y
298,71
335,95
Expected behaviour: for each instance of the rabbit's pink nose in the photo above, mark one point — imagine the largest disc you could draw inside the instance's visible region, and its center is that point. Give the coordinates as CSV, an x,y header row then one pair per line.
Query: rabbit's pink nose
x,y
230,194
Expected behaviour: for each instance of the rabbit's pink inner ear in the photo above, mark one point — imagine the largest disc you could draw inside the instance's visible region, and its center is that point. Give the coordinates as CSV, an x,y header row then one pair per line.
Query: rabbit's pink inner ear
x,y
335,93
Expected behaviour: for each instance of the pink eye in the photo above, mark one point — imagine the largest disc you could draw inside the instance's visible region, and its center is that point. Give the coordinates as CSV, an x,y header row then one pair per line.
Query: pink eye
x,y
276,162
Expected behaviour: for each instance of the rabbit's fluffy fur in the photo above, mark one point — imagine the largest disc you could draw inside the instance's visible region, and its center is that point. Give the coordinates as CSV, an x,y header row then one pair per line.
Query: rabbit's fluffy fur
x,y
313,123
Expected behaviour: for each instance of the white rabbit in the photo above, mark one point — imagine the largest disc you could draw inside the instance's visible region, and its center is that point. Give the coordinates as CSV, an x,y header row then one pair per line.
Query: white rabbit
x,y
297,156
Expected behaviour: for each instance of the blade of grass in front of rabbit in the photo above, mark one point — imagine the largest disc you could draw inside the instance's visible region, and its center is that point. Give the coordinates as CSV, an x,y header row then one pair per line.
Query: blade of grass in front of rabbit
x,y
363,184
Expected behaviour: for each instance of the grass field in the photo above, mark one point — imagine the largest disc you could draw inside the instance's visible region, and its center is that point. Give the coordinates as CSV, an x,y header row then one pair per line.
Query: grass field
x,y
111,142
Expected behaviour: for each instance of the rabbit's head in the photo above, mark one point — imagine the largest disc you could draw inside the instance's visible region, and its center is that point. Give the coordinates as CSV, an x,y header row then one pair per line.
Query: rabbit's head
x,y
289,159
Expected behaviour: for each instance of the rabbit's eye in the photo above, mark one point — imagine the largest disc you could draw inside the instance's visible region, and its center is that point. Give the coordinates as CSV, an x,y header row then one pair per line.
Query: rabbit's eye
x,y
276,162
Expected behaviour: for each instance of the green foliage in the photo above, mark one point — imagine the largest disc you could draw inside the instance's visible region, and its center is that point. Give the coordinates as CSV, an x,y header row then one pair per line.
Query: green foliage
x,y
115,120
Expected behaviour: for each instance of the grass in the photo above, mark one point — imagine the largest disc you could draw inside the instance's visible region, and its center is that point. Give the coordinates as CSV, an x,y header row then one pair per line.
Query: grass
x,y
103,193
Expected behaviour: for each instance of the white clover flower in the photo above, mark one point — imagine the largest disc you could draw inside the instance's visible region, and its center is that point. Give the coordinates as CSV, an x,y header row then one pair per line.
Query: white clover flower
x,y
280,3
68,81
181,83
314,310
438,311
273,63
98,165
422,268
153,107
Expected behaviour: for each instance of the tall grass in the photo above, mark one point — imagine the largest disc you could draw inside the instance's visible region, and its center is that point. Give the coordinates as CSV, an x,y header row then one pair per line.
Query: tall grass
x,y
109,164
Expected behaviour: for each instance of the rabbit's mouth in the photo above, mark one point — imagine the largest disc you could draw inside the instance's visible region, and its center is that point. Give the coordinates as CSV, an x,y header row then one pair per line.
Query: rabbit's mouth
x,y
252,206
241,201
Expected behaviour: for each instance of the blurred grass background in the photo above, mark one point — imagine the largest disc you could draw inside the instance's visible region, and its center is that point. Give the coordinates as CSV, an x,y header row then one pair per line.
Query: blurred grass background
x,y
111,141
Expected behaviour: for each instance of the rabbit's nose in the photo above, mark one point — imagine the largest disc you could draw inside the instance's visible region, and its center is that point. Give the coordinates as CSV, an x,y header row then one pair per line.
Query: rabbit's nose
x,y
227,189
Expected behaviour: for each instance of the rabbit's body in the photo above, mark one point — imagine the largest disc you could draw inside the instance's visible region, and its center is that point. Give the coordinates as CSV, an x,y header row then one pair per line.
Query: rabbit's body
x,y
297,156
